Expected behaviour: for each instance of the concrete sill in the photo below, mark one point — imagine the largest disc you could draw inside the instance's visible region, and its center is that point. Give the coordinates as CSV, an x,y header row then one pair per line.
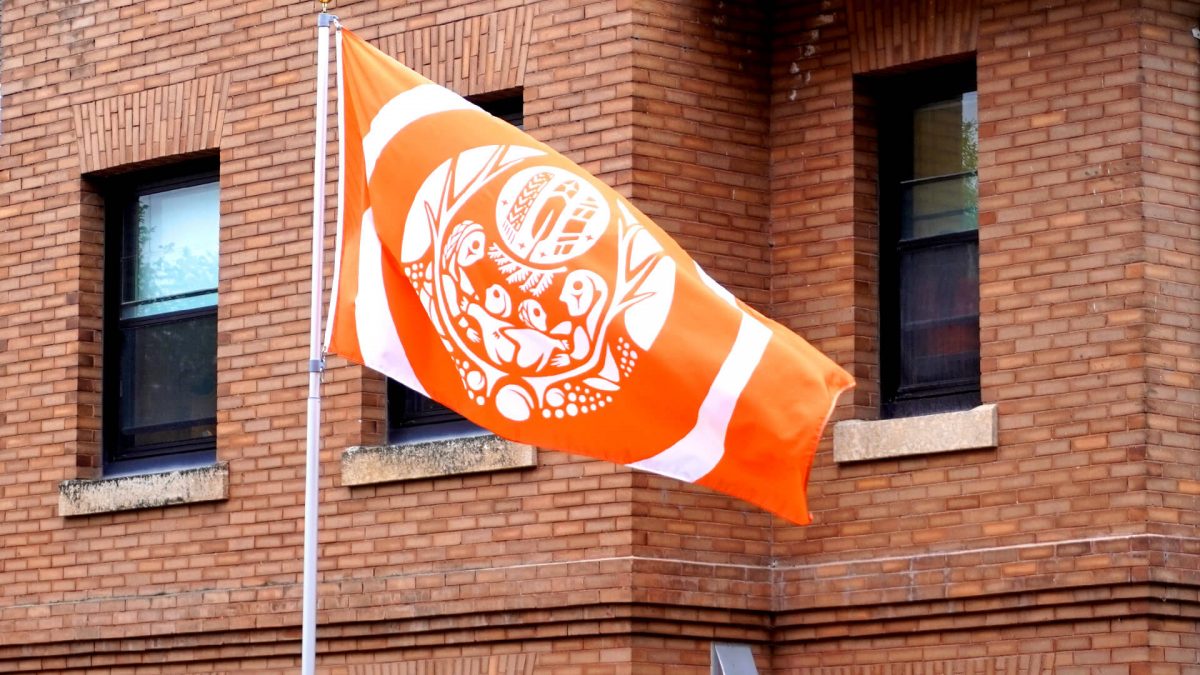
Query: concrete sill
x,y
370,465
143,491
858,440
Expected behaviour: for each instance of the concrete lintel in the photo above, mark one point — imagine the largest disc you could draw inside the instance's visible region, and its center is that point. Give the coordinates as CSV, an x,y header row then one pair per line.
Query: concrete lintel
x,y
857,440
143,491
368,465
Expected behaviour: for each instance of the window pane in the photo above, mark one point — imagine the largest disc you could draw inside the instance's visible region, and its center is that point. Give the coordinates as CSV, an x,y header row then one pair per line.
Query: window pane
x,y
413,417
939,315
945,137
511,109
939,206
168,381
408,408
970,131
171,252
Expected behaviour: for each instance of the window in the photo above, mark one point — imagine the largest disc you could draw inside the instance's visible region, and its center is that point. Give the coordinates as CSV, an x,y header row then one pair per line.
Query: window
x,y
929,242
731,659
411,416
160,319
507,105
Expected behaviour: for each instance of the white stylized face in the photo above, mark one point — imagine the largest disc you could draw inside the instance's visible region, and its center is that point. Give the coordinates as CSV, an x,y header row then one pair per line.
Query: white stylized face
x,y
471,249
532,314
580,291
497,301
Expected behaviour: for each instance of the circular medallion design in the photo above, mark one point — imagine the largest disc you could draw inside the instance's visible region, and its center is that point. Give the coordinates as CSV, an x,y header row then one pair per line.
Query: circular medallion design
x,y
544,289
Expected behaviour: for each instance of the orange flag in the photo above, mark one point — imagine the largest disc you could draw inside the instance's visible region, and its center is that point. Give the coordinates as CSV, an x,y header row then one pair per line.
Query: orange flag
x,y
484,269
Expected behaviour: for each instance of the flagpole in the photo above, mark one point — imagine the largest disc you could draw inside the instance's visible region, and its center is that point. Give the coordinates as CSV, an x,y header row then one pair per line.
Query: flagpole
x,y
316,364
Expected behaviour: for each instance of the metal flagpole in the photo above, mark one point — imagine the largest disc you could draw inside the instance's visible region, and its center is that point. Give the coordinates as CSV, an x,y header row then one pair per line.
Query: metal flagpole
x,y
316,364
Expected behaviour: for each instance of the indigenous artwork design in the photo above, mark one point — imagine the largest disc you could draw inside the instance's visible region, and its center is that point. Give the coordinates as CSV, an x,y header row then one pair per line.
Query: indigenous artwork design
x,y
531,333
478,266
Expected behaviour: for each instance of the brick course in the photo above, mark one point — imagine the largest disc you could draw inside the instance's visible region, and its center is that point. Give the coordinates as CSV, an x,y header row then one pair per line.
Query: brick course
x,y
1069,548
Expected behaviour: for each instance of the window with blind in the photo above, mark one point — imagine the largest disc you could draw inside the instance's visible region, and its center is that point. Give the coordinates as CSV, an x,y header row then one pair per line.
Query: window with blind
x,y
929,242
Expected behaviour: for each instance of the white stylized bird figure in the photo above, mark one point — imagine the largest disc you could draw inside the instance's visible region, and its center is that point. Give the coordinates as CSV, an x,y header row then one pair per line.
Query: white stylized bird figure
x,y
584,294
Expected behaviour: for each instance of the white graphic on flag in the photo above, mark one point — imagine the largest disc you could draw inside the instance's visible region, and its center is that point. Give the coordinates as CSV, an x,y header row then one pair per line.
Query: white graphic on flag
x,y
540,315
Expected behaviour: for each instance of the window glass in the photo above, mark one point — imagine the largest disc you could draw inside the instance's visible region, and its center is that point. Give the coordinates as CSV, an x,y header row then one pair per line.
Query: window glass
x,y
939,206
941,194
171,374
508,108
171,252
939,315
732,659
945,136
415,418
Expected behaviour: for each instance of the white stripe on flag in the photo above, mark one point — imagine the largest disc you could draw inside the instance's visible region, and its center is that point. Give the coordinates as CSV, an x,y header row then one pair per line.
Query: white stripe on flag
x,y
420,101
377,337
698,452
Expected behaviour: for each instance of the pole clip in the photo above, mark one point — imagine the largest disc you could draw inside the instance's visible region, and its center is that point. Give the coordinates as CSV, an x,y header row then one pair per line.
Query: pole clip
x,y
316,365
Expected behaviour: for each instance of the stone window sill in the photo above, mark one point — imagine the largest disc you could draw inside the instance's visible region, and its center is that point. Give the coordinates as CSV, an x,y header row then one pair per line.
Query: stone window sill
x,y
143,491
858,440
370,465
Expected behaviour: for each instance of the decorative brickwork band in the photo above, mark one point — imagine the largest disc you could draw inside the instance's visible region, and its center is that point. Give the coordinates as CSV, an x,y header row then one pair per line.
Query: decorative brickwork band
x,y
508,664
1027,664
162,122
476,55
917,30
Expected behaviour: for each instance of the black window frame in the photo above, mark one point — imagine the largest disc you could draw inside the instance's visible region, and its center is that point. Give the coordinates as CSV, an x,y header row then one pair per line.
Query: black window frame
x,y
412,417
896,98
121,193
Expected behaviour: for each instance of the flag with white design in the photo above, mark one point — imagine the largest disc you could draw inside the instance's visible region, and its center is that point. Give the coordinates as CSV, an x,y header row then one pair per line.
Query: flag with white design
x,y
487,271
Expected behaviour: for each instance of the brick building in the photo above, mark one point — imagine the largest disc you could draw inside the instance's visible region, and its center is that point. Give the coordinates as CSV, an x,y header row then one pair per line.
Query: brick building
x,y
1023,502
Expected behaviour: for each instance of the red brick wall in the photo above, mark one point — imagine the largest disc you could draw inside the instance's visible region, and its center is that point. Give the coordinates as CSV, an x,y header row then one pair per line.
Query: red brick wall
x,y
1170,106
739,128
700,152
822,204
1058,262
1083,107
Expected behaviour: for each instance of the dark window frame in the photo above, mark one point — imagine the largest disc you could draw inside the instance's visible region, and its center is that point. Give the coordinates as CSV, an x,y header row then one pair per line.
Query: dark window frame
x,y
897,97
121,193
411,417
